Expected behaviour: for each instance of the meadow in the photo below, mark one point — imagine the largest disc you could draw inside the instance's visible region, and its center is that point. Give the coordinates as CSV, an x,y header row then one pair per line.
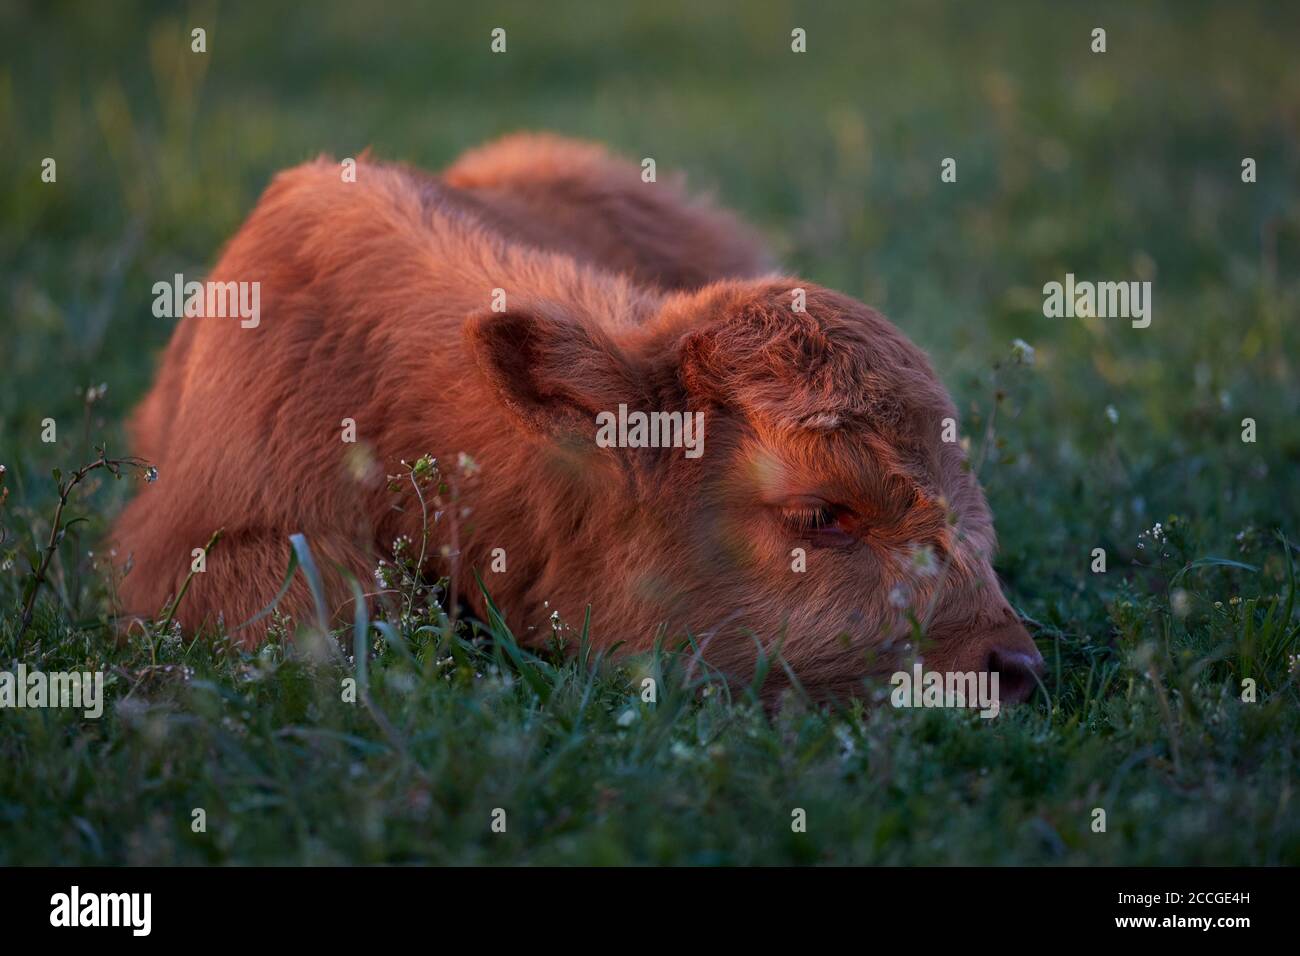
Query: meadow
x,y
1088,433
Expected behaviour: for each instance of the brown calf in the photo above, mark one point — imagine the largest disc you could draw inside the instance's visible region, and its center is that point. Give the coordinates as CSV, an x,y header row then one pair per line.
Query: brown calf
x,y
822,504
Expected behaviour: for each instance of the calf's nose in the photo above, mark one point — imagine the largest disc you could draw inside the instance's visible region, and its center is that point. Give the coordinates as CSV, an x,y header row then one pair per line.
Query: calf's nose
x,y
1018,665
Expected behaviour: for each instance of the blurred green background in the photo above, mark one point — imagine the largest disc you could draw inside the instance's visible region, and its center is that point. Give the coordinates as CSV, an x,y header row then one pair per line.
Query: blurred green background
x,y
1112,166
1117,166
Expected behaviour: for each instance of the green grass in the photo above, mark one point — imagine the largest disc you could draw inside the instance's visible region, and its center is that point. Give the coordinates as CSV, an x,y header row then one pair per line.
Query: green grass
x,y
1114,166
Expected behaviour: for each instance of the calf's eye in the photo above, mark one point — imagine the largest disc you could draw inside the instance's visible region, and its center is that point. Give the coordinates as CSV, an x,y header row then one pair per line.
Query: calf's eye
x,y
820,523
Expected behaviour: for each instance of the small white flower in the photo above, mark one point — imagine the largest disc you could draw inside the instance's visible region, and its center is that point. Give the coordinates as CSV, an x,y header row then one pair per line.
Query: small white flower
x,y
1112,414
923,561
1180,602
1022,352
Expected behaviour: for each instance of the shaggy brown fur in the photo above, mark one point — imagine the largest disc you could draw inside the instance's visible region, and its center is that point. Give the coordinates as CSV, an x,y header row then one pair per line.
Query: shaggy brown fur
x,y
822,427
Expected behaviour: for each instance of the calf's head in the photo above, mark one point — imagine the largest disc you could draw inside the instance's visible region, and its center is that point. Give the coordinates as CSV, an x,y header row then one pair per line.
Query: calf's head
x,y
822,509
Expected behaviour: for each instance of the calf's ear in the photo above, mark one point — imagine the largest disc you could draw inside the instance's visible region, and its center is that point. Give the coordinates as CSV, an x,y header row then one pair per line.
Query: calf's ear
x,y
554,373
